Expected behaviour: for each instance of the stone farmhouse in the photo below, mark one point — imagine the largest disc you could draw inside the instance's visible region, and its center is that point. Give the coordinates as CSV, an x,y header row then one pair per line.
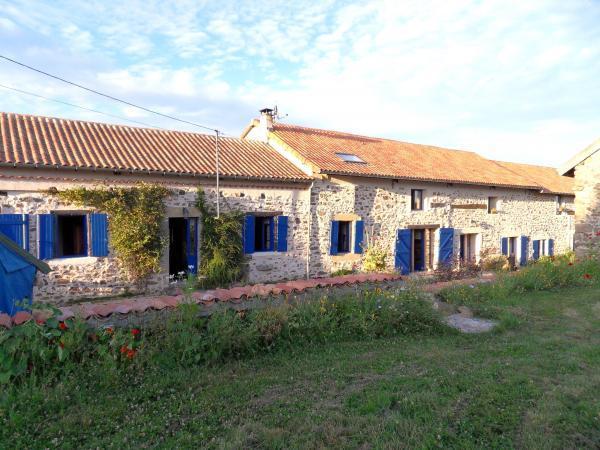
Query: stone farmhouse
x,y
426,205
312,199
584,168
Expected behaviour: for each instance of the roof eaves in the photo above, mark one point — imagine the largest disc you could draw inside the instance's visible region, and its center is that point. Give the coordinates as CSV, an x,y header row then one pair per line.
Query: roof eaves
x,y
579,157
431,180
305,179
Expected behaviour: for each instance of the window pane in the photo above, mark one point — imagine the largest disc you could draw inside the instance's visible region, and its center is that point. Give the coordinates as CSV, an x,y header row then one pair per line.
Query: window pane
x,y
262,234
71,231
344,237
349,157
417,199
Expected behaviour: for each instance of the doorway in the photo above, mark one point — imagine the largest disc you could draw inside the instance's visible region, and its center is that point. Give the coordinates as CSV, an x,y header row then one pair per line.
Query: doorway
x,y
183,243
468,252
419,250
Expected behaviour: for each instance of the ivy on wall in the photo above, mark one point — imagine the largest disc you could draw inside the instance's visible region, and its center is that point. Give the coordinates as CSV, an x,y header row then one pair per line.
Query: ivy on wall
x,y
221,246
135,219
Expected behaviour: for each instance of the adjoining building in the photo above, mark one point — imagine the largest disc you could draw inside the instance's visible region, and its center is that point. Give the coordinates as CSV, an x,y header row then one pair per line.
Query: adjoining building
x,y
312,199
425,205
584,168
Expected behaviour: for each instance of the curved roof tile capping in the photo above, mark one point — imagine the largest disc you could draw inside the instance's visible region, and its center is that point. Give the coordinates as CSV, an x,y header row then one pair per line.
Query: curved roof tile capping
x,y
46,142
326,152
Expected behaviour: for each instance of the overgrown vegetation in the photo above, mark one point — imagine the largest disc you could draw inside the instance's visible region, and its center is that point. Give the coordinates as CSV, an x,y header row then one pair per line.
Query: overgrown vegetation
x,y
45,350
221,246
548,273
135,218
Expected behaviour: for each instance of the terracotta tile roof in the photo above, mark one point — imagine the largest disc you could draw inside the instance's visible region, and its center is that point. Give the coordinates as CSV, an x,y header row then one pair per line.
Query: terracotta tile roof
x,y
395,159
547,177
101,310
52,142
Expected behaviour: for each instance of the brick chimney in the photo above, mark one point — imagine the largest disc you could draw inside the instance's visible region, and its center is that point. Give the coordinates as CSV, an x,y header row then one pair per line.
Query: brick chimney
x,y
266,119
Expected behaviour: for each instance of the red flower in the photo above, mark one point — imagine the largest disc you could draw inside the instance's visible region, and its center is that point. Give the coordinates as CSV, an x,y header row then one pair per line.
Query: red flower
x,y
124,349
135,332
570,263
39,322
61,345
131,354
587,276
108,330
63,326
598,233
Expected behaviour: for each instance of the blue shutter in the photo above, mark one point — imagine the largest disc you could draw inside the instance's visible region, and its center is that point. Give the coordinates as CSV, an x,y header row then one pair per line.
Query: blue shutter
x,y
536,249
282,231
524,250
403,251
504,245
16,228
446,245
359,236
551,247
249,234
335,229
47,234
99,232
191,244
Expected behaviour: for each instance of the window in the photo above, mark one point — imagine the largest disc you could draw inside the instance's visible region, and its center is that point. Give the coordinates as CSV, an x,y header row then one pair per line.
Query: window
x,y
560,204
349,157
343,242
416,202
492,205
263,234
71,236
543,247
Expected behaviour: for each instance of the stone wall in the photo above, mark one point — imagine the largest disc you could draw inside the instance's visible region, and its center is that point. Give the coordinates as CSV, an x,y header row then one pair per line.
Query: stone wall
x,y
385,207
86,277
587,201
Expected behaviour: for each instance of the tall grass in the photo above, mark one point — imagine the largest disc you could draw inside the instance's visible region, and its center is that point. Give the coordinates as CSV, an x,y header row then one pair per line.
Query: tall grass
x,y
544,275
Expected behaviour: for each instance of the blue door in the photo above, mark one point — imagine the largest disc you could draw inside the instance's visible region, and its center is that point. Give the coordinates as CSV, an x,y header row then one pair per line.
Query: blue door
x,y
191,237
403,251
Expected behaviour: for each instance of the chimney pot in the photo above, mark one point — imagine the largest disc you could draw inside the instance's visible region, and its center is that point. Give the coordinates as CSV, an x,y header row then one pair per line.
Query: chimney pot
x,y
266,118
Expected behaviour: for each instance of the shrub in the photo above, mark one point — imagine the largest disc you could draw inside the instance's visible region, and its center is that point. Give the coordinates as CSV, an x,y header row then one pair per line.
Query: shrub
x,y
135,219
495,263
221,247
375,253
457,270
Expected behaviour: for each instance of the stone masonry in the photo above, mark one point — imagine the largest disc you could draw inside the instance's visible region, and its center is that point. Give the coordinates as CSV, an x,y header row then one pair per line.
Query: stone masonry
x,y
384,205
587,201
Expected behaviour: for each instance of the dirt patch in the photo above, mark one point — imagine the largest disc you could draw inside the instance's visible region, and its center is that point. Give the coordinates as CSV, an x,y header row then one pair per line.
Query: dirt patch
x,y
469,324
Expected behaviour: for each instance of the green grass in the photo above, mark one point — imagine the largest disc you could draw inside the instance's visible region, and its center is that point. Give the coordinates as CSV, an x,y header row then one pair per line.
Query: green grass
x,y
534,383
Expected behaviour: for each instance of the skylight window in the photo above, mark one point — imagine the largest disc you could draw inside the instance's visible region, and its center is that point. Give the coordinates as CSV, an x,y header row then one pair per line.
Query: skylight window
x,y
349,157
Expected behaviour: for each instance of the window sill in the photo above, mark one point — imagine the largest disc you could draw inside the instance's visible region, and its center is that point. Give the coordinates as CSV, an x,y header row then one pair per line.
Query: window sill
x,y
267,253
77,260
346,257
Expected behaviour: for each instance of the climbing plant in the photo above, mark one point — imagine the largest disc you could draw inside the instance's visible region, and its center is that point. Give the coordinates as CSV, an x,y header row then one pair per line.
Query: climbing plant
x,y
135,217
221,247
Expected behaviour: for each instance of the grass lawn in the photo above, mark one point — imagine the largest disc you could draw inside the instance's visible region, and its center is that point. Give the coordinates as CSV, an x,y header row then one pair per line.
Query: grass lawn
x,y
534,383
